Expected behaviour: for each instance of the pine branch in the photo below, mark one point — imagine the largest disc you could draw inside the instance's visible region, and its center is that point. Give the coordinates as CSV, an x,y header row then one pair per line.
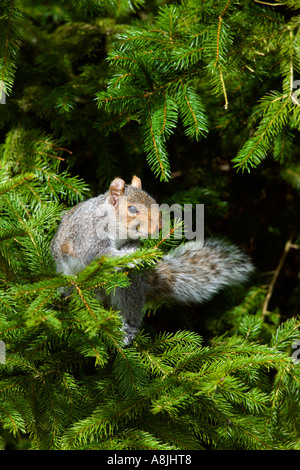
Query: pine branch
x,y
10,26
275,112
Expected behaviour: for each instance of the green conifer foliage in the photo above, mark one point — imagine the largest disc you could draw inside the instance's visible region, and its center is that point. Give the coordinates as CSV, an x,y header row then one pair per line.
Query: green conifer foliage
x,y
202,95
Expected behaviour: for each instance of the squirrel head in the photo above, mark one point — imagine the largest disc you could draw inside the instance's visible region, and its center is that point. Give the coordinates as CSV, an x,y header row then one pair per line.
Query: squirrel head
x,y
137,213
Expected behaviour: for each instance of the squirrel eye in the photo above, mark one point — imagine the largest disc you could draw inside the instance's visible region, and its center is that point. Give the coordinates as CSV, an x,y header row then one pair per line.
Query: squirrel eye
x,y
133,210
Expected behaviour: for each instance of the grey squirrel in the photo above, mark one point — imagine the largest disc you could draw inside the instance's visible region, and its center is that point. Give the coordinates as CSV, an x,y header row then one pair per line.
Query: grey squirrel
x,y
112,224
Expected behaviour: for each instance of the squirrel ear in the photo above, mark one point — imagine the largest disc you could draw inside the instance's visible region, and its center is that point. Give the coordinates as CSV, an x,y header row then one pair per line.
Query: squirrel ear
x,y
136,182
116,190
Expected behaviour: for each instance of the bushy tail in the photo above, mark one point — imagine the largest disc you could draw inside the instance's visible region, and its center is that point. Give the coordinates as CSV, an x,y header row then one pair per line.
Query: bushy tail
x,y
194,272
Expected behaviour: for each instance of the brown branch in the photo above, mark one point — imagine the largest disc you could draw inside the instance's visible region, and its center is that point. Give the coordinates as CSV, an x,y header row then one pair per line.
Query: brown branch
x,y
287,248
219,29
270,4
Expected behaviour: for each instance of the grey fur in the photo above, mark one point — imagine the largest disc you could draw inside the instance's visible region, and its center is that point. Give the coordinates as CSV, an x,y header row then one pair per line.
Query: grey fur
x,y
194,272
191,273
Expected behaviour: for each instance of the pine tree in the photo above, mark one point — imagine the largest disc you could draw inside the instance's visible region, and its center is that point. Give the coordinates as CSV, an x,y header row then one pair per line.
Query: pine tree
x,y
202,96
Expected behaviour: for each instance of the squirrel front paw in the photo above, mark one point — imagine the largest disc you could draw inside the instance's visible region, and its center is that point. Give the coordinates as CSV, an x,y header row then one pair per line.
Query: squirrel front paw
x,y
130,333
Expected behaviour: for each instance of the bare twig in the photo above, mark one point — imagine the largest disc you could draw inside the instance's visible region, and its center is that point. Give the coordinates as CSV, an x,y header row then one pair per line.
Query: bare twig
x,y
270,4
287,248
224,89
